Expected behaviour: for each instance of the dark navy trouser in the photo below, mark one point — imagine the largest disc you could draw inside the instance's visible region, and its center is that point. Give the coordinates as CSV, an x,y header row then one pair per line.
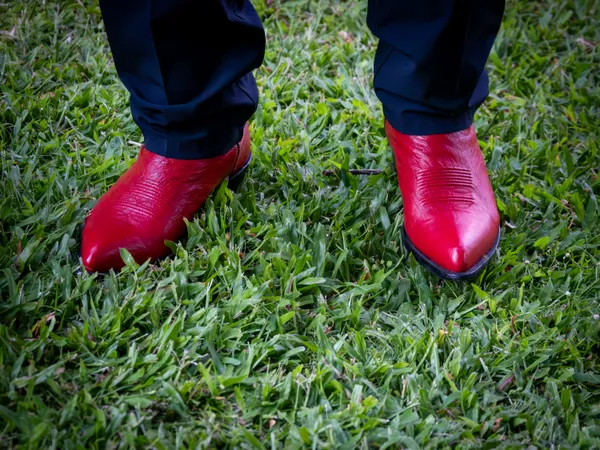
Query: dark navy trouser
x,y
187,65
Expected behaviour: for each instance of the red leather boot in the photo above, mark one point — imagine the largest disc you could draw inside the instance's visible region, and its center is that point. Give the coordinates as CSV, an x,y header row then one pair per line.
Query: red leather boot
x,y
451,222
147,205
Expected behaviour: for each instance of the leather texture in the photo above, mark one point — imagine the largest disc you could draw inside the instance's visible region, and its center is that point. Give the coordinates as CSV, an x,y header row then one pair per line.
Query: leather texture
x,y
450,211
148,203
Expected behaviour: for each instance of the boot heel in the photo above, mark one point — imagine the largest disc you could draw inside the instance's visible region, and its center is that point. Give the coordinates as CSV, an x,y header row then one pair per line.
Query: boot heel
x,y
236,179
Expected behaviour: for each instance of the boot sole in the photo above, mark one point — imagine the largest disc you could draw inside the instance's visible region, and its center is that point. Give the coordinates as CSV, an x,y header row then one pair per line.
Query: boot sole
x,y
432,267
235,180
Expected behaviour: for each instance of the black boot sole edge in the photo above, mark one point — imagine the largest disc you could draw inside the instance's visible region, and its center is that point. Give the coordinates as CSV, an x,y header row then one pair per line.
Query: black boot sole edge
x,y
235,180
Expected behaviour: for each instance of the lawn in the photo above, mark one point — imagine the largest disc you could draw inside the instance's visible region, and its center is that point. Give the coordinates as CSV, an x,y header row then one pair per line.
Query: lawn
x,y
291,317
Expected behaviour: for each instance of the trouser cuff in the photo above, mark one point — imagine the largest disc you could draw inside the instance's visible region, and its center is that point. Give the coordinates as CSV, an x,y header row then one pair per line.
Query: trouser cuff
x,y
421,124
208,144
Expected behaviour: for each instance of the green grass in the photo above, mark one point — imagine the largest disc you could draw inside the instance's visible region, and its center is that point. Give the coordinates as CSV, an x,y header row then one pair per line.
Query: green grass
x,y
291,317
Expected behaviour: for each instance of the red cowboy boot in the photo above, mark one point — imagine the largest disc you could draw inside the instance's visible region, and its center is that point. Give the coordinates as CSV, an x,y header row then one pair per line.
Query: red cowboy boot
x,y
147,205
451,222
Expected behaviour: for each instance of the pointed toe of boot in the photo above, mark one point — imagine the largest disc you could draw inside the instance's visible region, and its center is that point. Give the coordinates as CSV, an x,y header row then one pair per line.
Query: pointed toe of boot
x,y
454,255
104,235
457,259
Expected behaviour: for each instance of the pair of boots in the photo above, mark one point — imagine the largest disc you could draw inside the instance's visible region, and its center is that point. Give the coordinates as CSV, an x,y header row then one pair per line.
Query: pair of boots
x,y
451,222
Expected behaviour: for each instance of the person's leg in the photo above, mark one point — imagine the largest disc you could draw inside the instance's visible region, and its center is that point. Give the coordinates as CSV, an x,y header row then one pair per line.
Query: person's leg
x,y
187,65
429,66
430,78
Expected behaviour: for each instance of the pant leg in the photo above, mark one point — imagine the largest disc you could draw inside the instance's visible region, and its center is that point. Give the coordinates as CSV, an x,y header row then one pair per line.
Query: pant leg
x,y
187,65
430,62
